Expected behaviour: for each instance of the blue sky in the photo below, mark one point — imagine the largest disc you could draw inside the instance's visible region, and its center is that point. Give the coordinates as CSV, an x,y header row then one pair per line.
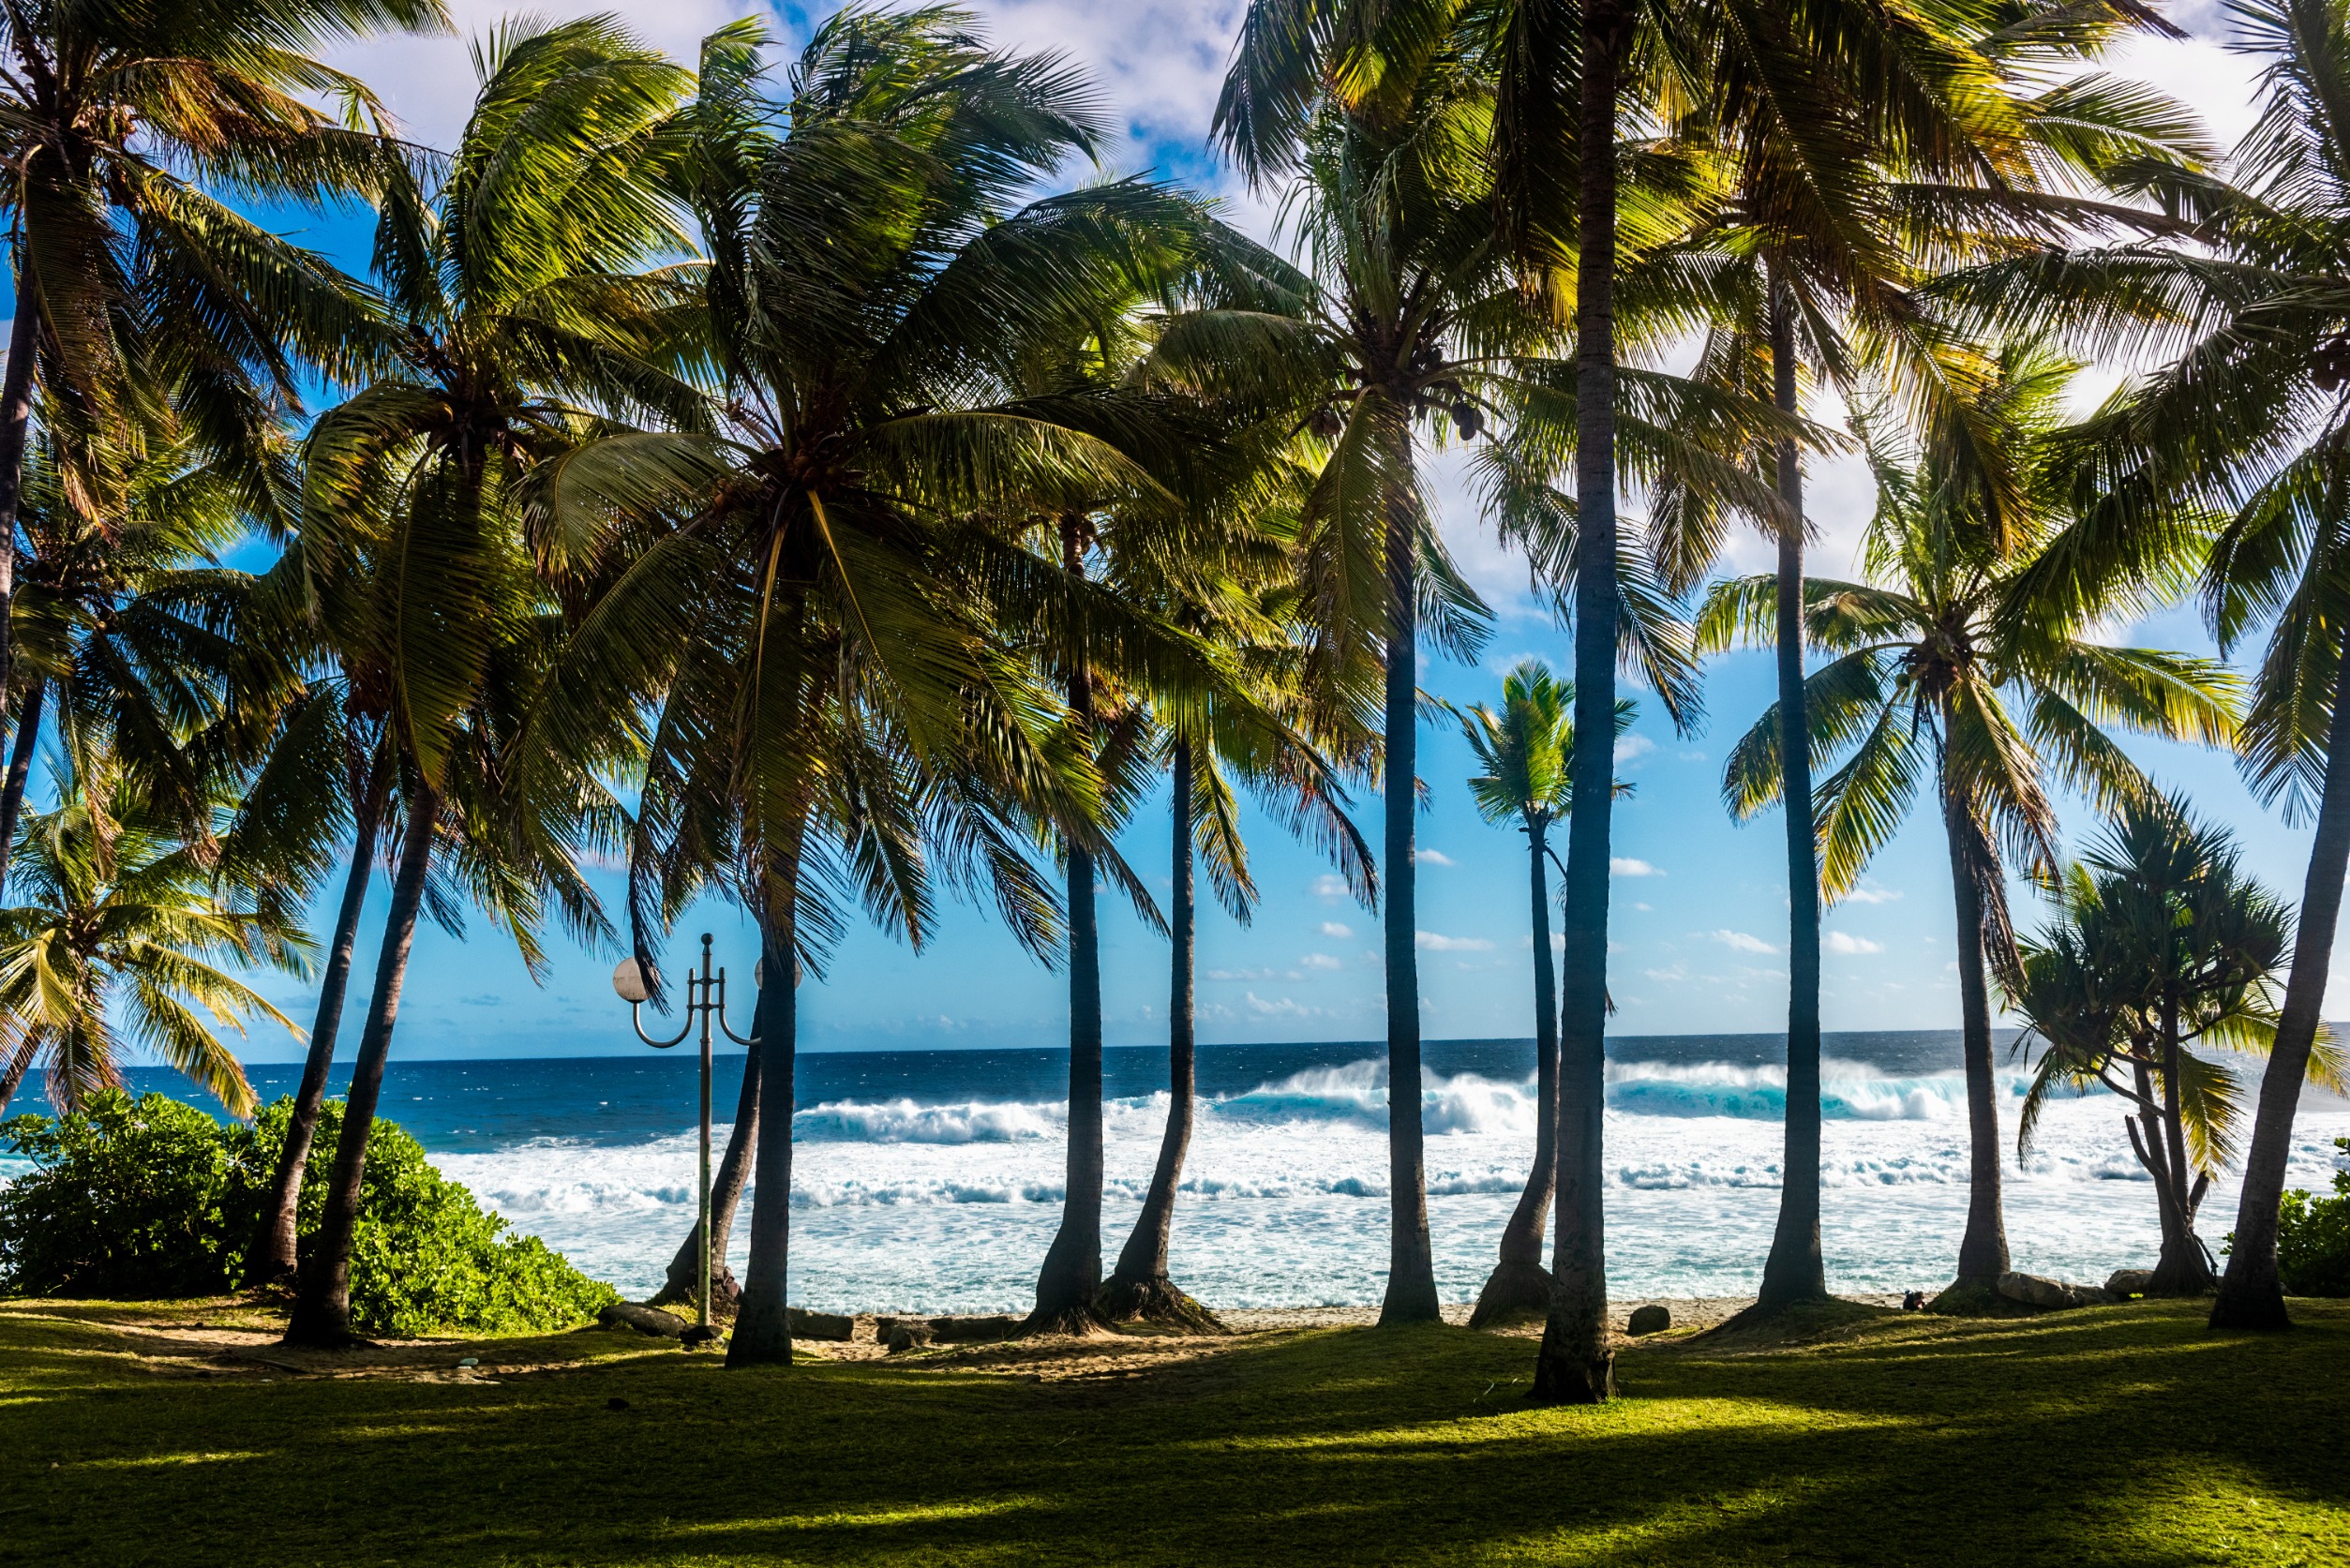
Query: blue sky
x,y
1700,901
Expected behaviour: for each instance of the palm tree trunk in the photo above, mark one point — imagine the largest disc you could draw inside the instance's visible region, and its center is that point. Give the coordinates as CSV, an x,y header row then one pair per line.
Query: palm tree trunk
x,y
762,1324
13,1078
2184,1268
684,1279
28,735
1411,1296
273,1251
16,424
1983,1251
1519,1286
322,1307
1794,1270
1577,1364
1068,1286
2251,1295
1139,1287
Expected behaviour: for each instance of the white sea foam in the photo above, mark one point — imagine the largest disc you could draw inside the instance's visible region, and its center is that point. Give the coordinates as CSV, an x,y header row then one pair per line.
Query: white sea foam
x,y
950,1208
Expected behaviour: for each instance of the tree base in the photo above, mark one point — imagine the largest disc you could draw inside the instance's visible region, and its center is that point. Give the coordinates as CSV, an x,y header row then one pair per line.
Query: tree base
x,y
761,1337
1158,1301
725,1295
311,1333
1517,1291
2250,1310
1567,1377
2183,1270
1083,1320
1768,1311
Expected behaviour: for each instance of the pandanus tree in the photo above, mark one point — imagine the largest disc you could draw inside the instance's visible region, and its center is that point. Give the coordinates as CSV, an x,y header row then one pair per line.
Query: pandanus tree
x,y
1527,749
824,597
1949,673
512,309
2244,317
119,932
143,298
2161,945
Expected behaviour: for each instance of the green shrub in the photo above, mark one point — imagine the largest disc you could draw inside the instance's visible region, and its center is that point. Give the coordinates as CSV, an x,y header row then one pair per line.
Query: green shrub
x,y
2313,1239
140,1198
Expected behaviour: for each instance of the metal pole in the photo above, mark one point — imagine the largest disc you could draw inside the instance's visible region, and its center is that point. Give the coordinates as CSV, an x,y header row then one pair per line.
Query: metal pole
x,y
703,1317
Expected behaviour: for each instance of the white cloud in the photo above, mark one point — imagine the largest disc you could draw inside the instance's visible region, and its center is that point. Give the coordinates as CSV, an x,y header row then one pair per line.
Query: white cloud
x,y
1432,858
1281,1007
1320,961
1740,942
1641,907
1330,885
1433,942
1627,865
1633,747
1233,975
1867,894
1338,928
1839,942
1678,972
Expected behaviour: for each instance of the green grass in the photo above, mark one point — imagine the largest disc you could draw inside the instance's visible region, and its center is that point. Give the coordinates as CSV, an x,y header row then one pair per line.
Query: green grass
x,y
2123,1435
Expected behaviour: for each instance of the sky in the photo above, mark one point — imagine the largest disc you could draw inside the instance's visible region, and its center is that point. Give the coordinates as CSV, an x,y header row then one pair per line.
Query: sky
x,y
1699,909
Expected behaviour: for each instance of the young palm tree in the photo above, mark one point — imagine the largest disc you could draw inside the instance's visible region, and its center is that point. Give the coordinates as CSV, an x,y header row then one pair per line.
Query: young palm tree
x,y
825,598
1947,669
135,282
119,932
1528,752
2161,944
514,304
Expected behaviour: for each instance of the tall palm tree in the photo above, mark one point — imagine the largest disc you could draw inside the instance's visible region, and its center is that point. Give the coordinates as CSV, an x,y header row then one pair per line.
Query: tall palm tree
x,y
141,296
1528,752
513,308
1947,669
2161,943
119,932
2245,316
825,598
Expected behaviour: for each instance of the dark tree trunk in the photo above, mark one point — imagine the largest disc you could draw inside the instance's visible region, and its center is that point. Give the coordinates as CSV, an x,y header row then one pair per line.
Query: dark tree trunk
x,y
684,1280
322,1307
1411,1296
274,1252
1139,1288
1794,1271
1577,1362
762,1324
2184,1268
28,735
1519,1286
12,1078
1068,1286
1983,1251
2251,1295
16,425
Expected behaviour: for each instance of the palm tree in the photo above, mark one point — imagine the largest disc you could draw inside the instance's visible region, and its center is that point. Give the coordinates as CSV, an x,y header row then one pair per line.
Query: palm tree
x,y
118,933
825,598
143,298
2161,944
1946,666
2248,316
1528,752
510,294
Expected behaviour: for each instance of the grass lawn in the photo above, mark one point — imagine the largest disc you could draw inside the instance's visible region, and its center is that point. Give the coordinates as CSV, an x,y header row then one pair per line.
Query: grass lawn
x,y
2113,1436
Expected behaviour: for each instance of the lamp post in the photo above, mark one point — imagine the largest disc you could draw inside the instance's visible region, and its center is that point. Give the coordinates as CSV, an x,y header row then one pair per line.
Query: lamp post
x,y
704,995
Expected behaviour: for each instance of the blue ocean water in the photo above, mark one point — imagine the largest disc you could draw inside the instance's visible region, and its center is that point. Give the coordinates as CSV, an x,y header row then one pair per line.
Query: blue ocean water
x,y
932,1180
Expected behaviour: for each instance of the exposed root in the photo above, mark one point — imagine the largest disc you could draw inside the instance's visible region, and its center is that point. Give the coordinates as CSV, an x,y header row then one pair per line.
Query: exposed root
x,y
1083,1321
1158,1301
1517,1291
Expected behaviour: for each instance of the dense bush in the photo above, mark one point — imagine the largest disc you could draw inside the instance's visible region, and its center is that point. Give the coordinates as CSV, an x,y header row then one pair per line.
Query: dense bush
x,y
2313,1239
150,1198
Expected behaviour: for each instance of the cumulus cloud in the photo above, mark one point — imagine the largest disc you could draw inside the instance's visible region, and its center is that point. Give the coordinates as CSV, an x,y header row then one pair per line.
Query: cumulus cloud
x,y
1281,1007
1435,942
1842,942
1740,941
1238,975
1320,961
1338,928
1867,894
1633,747
1330,885
1432,858
1627,865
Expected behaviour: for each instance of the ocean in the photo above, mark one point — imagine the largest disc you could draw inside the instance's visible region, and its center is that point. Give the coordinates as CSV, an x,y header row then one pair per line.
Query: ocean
x,y
931,1181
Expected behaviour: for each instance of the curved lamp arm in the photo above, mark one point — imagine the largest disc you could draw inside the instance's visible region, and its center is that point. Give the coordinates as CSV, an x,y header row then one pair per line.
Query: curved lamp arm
x,y
637,1019
719,1012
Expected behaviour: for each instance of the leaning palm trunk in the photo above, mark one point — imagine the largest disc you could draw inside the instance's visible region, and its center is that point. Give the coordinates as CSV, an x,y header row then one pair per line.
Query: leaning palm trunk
x,y
762,1324
1139,1288
1983,1251
16,424
2251,1295
28,735
1577,1364
1411,1260
322,1307
1795,1270
272,1257
12,1079
684,1280
2184,1267
1519,1286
